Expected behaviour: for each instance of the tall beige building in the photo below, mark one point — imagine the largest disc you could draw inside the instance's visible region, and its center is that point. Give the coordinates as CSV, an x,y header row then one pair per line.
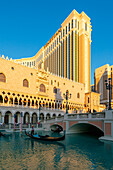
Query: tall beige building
x,y
68,53
101,74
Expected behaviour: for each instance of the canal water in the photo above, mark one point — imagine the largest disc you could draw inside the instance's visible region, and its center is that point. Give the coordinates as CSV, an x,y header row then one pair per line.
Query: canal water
x,y
77,151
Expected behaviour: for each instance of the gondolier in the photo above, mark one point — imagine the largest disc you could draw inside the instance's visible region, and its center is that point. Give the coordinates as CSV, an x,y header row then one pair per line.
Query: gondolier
x,y
32,131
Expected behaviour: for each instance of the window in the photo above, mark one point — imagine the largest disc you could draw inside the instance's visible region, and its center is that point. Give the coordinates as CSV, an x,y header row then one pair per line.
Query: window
x,y
69,27
25,83
2,77
85,26
55,90
88,99
78,95
63,32
12,68
30,64
42,88
57,41
66,29
51,82
72,24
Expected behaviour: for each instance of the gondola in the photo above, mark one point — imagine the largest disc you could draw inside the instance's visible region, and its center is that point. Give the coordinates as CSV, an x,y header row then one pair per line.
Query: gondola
x,y
46,137
56,130
1,134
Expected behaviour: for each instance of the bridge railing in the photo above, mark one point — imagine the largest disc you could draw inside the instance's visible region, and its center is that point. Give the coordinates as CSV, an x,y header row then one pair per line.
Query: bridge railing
x,y
87,115
98,115
72,116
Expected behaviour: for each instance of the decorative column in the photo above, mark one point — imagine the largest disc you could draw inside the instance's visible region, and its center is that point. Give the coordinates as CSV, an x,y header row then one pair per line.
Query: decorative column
x,y
14,122
21,120
3,118
30,119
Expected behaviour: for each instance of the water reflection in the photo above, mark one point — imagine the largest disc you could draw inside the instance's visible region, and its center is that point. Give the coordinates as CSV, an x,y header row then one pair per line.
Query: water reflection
x,y
76,152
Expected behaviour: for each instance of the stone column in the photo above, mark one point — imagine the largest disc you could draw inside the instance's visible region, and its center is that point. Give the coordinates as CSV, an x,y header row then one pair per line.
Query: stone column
x,y
3,118
30,119
3,100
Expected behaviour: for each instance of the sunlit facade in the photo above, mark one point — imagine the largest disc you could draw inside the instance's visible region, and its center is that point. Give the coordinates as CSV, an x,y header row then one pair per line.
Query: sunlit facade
x,y
67,54
101,74
63,64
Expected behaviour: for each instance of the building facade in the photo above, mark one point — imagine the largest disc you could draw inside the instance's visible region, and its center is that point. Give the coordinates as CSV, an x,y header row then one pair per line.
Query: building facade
x,y
28,88
101,74
40,82
68,53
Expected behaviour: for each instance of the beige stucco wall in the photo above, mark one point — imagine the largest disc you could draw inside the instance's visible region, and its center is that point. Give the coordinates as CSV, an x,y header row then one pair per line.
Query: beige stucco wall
x,y
14,83
65,84
14,78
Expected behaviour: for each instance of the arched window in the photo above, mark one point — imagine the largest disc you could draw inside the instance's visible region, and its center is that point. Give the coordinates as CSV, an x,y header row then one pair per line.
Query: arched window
x,y
25,83
42,88
88,99
78,95
51,82
55,90
2,77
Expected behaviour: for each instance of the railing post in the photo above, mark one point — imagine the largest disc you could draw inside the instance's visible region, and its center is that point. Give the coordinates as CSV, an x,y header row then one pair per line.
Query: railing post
x,y
77,116
89,116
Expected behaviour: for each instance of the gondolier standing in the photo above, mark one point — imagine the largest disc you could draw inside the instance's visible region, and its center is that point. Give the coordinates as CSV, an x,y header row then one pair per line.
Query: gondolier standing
x,y
32,131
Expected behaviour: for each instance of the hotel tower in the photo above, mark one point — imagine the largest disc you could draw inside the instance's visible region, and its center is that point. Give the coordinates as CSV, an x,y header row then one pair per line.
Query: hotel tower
x,y
68,53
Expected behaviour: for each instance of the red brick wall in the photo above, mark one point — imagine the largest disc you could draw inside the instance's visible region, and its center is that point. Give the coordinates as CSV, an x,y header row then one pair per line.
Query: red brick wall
x,y
97,123
108,129
61,124
72,123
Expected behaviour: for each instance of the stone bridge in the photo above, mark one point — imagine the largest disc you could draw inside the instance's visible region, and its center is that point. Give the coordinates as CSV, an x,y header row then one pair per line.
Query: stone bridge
x,y
101,124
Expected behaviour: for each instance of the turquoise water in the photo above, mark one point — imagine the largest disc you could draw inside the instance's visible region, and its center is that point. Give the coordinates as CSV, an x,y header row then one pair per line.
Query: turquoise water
x,y
78,151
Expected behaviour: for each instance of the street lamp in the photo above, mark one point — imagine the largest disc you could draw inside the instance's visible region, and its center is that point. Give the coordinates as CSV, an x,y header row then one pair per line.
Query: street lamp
x,y
67,96
109,86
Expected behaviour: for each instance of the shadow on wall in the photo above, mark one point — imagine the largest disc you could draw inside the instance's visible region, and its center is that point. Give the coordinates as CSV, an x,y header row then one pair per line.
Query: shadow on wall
x,y
58,97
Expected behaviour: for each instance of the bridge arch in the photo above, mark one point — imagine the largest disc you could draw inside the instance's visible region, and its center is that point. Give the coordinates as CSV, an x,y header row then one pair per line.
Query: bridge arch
x,y
86,128
55,126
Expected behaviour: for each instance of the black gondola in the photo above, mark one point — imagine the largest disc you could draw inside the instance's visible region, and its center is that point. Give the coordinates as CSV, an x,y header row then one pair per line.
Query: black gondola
x,y
1,134
45,138
56,130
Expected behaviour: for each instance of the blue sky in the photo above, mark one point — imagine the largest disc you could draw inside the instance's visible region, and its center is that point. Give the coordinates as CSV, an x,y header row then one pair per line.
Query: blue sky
x,y
26,26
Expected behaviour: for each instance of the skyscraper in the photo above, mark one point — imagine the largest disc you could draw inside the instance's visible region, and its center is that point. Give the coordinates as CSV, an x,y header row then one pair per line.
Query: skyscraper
x,y
67,53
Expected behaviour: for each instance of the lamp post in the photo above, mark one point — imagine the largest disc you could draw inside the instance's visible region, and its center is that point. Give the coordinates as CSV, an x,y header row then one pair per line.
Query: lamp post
x,y
109,86
67,96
